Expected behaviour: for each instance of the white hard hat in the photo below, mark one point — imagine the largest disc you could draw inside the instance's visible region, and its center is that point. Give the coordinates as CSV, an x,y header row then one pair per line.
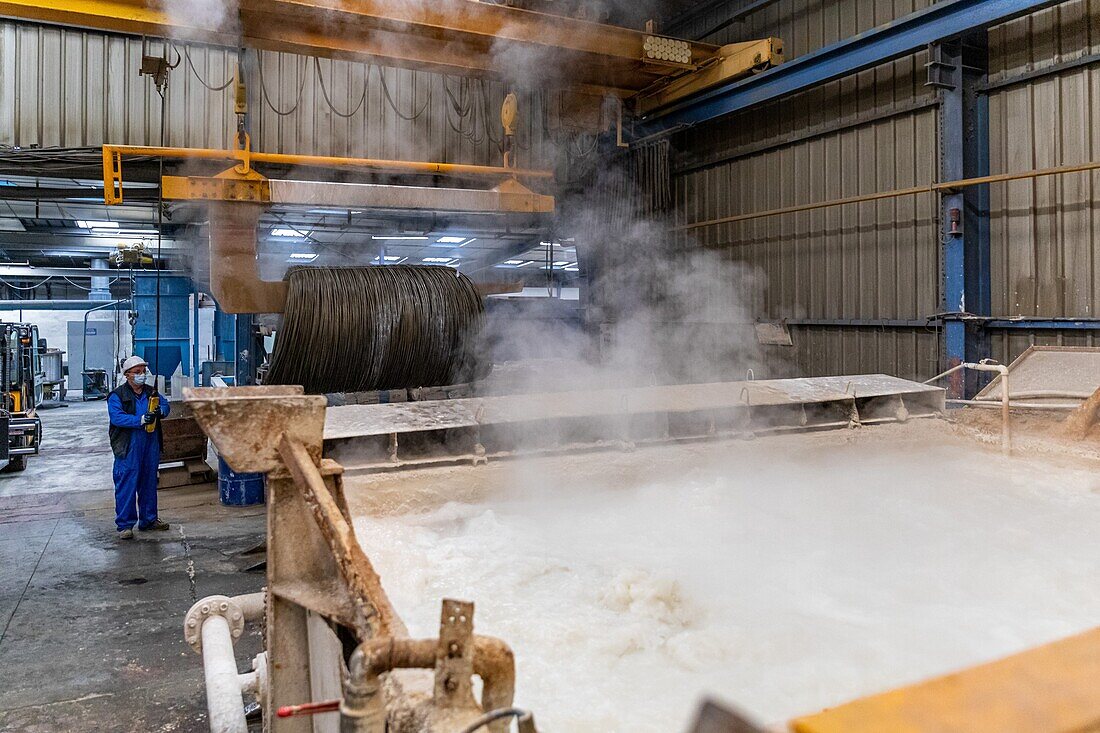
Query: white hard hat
x,y
132,362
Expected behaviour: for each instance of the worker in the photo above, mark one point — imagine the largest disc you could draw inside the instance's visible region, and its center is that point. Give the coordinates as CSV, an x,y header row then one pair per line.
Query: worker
x,y
136,449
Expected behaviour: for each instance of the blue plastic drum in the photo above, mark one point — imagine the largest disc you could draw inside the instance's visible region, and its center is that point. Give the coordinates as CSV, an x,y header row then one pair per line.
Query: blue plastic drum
x,y
239,489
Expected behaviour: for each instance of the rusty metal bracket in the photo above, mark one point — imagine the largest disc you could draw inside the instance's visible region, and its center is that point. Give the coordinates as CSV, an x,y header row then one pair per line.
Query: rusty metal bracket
x,y
374,615
222,187
454,661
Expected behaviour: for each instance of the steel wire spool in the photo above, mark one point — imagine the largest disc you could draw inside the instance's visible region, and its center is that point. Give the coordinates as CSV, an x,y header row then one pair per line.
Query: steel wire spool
x,y
357,329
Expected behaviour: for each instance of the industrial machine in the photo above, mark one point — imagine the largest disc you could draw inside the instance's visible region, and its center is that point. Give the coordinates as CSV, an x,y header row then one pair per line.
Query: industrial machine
x,y
53,367
336,644
23,377
334,639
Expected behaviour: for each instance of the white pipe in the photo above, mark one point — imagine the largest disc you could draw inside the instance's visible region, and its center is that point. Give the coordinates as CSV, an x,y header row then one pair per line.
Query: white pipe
x,y
251,605
988,365
224,703
249,681
948,373
996,405
1038,394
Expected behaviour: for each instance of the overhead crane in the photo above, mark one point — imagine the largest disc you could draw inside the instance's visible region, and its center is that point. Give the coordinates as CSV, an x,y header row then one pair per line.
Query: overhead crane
x,y
592,60
459,37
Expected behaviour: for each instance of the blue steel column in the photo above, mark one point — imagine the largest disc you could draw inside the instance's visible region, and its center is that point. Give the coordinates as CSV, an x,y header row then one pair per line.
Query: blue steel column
x,y
964,153
247,356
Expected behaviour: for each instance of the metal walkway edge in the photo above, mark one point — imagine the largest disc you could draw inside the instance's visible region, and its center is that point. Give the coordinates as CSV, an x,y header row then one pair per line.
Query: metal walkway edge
x,y
388,435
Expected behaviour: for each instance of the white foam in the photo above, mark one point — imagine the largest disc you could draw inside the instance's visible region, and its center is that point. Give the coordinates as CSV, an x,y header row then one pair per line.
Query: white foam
x,y
782,581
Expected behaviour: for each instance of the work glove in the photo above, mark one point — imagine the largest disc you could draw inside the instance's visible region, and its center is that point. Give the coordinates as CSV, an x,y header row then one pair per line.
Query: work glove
x,y
148,418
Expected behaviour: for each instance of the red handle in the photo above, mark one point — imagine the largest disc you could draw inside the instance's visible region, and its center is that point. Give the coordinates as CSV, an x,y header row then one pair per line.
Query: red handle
x,y
309,708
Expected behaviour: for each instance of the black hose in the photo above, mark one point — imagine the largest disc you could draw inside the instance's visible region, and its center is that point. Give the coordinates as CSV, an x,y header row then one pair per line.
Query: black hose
x,y
357,329
493,715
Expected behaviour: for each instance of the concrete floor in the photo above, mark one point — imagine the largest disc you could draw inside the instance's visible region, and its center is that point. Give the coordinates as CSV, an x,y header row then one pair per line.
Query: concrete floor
x,y
91,628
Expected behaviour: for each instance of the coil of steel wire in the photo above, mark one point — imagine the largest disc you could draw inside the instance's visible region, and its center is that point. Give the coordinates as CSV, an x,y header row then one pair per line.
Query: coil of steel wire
x,y
355,329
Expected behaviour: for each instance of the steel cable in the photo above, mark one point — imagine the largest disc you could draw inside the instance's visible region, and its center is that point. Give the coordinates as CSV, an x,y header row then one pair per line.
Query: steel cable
x,y
356,329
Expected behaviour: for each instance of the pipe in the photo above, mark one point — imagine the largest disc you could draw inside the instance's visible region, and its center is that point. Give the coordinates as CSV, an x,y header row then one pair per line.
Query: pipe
x,y
495,664
252,605
1053,407
988,365
62,304
100,283
911,191
362,710
1037,394
224,703
249,682
84,366
524,719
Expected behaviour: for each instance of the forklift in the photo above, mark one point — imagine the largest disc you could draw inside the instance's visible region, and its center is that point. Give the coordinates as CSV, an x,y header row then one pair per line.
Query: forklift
x,y
23,378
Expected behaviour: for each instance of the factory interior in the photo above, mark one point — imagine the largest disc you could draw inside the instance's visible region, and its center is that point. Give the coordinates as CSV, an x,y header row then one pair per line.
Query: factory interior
x,y
444,366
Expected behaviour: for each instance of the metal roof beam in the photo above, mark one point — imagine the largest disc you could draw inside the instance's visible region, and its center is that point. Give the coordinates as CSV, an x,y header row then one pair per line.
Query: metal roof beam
x,y
885,43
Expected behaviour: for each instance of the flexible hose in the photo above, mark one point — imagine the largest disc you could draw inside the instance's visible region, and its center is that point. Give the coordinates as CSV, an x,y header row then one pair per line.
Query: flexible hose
x,y
357,329
524,716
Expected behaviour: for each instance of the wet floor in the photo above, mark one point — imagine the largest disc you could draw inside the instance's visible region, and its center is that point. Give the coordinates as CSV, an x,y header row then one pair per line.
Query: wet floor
x,y
90,628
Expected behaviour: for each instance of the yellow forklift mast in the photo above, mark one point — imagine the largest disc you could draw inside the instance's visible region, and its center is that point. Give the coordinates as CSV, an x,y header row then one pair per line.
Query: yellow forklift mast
x,y
21,377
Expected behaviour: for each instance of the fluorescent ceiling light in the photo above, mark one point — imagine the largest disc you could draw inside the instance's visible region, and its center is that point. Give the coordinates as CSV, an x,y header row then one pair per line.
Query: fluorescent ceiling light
x,y
285,233
525,264
563,262
83,224
471,239
451,240
303,256
394,258
396,237
438,260
572,269
513,262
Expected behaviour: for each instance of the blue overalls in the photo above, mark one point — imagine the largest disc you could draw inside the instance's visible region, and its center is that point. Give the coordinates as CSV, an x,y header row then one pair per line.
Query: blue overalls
x,y
135,475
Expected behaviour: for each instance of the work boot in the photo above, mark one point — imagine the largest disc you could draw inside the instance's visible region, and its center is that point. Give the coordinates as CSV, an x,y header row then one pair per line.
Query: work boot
x,y
126,534
155,526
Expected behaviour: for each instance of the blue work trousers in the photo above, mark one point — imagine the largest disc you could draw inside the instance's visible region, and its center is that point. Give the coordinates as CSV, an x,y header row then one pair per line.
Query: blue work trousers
x,y
136,482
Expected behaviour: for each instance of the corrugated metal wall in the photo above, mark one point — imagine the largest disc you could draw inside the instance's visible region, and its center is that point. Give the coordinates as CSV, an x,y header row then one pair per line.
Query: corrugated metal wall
x,y
878,131
71,88
1045,254
804,25
876,261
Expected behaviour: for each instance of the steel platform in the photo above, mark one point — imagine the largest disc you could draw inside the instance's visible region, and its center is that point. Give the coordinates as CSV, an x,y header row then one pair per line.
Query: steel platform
x,y
419,432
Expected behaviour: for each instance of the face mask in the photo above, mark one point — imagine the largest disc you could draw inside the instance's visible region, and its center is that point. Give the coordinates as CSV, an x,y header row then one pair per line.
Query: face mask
x,y
140,378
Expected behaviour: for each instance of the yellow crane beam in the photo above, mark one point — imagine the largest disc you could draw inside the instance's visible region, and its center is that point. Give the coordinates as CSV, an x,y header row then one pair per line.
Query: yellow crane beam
x,y
451,36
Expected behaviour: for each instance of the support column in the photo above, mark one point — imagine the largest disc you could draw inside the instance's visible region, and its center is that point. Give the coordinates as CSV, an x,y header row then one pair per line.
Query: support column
x,y
959,68
247,356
